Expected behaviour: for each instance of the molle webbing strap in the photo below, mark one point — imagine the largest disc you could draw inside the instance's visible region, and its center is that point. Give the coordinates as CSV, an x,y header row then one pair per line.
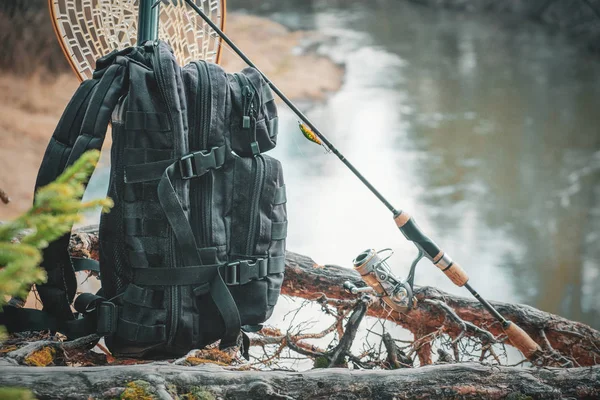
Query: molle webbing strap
x,y
279,230
181,276
141,333
144,297
267,94
190,166
142,259
273,126
280,196
136,120
208,255
146,172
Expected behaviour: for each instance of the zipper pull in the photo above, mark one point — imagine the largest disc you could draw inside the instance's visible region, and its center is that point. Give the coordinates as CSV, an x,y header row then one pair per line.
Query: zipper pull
x,y
248,107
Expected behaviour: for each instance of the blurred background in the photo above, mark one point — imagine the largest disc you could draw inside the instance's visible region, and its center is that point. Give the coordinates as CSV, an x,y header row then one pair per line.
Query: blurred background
x,y
484,126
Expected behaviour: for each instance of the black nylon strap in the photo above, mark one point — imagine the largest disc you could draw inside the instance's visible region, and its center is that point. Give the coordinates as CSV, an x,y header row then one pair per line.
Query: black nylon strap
x,y
177,218
137,120
191,258
86,301
245,346
279,230
27,319
137,155
146,172
280,196
190,166
85,264
228,310
181,276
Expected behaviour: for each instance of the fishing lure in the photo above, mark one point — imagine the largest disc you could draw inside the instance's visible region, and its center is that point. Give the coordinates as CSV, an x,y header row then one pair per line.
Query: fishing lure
x,y
309,134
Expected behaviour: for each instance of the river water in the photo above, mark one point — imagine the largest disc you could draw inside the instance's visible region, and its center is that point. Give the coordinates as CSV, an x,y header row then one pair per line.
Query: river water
x,y
484,128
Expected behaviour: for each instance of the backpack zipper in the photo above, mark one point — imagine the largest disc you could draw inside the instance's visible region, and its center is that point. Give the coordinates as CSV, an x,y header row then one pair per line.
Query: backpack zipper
x,y
203,108
173,290
258,168
249,111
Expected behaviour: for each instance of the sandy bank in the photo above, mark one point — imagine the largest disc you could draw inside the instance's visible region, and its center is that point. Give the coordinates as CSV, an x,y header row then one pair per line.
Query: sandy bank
x,y
30,107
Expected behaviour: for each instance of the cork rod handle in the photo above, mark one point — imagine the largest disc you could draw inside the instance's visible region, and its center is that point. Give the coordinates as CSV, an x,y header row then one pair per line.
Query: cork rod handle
x,y
521,340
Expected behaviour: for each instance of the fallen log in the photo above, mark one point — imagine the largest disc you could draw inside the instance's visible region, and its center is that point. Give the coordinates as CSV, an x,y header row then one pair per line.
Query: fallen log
x,y
444,381
575,340
457,316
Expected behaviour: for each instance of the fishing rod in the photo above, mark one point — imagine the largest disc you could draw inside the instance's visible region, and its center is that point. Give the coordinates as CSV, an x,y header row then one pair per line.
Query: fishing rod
x,y
396,293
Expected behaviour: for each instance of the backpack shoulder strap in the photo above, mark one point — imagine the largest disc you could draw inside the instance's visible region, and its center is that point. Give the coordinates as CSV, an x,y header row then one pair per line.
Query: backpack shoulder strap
x,y
82,127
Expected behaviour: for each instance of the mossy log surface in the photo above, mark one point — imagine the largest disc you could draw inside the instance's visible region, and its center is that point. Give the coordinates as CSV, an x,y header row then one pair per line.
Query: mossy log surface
x,y
444,381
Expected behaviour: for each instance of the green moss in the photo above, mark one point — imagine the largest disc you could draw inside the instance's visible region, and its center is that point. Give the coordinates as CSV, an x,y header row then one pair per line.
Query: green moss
x,y
198,393
138,390
15,394
321,362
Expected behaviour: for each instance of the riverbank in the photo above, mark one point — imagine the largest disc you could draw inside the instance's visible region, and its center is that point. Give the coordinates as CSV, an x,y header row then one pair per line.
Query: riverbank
x,y
31,105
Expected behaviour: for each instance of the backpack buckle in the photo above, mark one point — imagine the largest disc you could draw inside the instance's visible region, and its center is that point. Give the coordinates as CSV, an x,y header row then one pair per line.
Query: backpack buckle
x,y
198,163
244,271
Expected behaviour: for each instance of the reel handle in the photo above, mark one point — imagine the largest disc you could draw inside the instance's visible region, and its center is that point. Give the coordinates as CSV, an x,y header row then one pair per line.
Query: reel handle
x,y
352,288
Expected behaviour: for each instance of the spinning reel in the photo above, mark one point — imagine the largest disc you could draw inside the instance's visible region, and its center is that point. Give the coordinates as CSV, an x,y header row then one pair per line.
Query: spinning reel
x,y
372,266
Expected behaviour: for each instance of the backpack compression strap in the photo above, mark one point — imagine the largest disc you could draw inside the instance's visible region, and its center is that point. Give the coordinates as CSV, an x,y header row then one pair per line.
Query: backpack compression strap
x,y
82,127
185,237
190,166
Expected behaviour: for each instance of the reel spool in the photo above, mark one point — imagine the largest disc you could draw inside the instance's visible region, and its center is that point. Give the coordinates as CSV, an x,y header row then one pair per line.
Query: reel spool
x,y
375,271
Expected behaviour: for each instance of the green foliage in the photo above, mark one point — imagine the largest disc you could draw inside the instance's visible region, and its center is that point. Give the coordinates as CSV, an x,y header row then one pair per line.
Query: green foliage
x,y
321,362
15,394
56,208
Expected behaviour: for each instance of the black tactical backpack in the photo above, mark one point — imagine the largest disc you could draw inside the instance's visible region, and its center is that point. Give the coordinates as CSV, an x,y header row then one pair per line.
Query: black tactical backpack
x,y
193,250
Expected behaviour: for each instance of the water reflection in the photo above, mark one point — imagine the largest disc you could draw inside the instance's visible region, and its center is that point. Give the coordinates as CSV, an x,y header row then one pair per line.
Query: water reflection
x,y
485,129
